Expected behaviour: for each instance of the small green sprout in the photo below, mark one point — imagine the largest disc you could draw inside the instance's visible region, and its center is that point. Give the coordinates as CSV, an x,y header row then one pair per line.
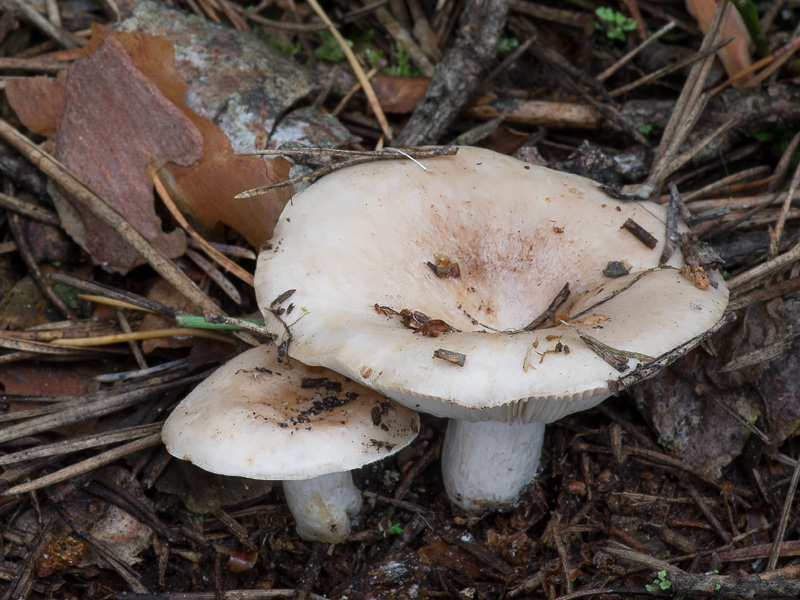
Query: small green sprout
x,y
402,66
373,56
613,23
644,128
330,50
661,582
507,44
395,529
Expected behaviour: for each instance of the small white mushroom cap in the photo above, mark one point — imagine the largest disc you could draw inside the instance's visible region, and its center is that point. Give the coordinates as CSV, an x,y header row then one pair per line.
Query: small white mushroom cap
x,y
255,417
363,237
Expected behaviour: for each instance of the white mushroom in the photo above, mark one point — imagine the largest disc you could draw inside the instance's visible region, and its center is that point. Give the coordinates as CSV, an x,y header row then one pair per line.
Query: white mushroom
x,y
308,427
483,244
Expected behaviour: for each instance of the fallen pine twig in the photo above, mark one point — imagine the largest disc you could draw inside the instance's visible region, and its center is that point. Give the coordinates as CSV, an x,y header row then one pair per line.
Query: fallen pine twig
x,y
355,157
82,442
26,253
96,405
458,74
84,466
26,209
121,298
32,65
221,595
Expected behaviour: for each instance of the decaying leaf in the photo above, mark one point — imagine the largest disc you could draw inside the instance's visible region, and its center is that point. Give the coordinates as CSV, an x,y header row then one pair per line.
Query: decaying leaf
x,y
736,55
112,129
234,79
399,94
125,535
38,102
205,187
692,426
123,111
60,554
759,326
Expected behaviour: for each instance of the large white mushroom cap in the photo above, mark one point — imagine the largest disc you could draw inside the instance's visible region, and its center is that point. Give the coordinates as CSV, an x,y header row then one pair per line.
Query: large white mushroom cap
x,y
254,417
363,237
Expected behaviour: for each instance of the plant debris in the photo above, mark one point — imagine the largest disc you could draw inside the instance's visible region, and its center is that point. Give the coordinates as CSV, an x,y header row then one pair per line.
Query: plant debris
x,y
454,358
684,484
442,267
417,321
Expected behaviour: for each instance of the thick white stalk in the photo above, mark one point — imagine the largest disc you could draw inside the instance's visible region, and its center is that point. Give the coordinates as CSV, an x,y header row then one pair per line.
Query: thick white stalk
x,y
487,464
322,506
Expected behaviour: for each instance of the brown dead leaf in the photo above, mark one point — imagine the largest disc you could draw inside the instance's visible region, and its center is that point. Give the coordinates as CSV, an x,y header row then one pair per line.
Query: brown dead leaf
x,y
399,94
242,84
115,124
505,140
207,186
117,91
38,102
693,427
735,56
759,326
124,535
440,555
48,379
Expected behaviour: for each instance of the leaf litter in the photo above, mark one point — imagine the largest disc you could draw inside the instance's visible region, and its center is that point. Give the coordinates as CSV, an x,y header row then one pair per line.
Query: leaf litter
x,y
714,495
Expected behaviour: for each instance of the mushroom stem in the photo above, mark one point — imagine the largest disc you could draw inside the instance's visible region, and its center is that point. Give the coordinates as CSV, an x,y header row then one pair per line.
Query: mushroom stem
x,y
487,464
322,505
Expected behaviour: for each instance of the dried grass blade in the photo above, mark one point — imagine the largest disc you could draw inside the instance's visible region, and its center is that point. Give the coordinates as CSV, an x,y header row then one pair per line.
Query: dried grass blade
x,y
37,347
120,338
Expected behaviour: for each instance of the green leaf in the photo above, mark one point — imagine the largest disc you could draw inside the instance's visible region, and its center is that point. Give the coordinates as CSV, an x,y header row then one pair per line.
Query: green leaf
x,y
395,529
507,44
402,66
